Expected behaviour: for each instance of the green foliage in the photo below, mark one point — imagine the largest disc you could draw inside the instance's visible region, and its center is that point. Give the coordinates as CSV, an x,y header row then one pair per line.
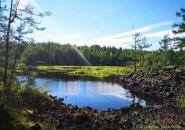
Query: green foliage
x,y
12,111
135,113
56,54
1,74
91,71
48,126
181,101
53,54
14,108
157,59
180,29
81,118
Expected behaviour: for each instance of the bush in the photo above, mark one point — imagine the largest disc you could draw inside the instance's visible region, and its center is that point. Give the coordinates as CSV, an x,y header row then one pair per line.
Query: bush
x,y
181,101
81,118
17,103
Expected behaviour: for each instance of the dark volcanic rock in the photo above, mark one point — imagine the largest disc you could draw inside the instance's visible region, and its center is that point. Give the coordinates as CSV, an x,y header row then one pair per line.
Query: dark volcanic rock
x,y
164,84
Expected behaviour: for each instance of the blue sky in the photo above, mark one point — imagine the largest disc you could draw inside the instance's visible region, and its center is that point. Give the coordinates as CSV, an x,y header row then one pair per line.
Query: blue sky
x,y
106,22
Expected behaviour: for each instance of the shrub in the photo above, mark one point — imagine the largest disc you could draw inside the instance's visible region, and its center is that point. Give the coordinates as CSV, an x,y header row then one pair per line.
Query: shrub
x,y
80,118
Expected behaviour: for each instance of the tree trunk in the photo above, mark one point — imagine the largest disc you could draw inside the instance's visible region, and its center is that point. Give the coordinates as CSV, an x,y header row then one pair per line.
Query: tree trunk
x,y
14,64
135,62
172,57
7,47
140,58
143,59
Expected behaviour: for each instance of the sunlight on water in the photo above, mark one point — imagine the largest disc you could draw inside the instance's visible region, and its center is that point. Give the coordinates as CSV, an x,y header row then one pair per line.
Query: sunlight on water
x,y
97,94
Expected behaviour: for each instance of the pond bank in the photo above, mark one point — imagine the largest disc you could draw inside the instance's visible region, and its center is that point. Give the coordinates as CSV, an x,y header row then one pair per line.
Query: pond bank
x,y
167,85
76,72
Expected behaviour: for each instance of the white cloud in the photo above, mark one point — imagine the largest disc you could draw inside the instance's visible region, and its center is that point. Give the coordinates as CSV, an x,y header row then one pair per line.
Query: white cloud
x,y
23,4
180,35
124,39
54,33
161,34
125,42
139,30
150,27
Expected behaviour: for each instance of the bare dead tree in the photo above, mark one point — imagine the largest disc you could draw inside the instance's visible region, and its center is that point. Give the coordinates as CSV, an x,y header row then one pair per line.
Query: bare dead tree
x,y
136,37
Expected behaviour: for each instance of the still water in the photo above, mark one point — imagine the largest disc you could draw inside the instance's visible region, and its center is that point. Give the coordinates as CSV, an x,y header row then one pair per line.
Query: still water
x,y
97,94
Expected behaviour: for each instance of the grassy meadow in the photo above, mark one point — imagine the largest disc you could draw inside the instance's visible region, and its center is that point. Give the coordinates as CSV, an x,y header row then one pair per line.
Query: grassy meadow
x,y
89,71
83,71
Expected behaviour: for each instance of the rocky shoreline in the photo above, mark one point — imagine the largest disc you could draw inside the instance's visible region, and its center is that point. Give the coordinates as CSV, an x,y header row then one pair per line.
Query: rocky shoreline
x,y
163,87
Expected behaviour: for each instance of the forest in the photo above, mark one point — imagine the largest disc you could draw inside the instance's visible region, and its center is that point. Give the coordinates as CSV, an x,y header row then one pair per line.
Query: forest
x,y
35,54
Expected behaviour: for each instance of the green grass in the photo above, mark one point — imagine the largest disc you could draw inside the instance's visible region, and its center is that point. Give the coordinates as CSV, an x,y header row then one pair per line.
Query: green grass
x,y
87,71
181,101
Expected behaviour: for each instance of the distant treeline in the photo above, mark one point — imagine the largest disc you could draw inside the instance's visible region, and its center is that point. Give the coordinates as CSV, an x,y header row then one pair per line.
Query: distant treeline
x,y
58,54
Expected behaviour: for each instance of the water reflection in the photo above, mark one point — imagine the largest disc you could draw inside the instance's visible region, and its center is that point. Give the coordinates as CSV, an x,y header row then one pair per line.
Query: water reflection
x,y
97,94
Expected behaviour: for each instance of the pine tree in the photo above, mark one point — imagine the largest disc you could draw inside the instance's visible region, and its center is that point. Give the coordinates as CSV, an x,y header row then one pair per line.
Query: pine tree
x,y
11,19
180,41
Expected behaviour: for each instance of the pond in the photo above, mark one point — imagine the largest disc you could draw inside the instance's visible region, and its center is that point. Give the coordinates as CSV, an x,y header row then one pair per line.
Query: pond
x,y
101,95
